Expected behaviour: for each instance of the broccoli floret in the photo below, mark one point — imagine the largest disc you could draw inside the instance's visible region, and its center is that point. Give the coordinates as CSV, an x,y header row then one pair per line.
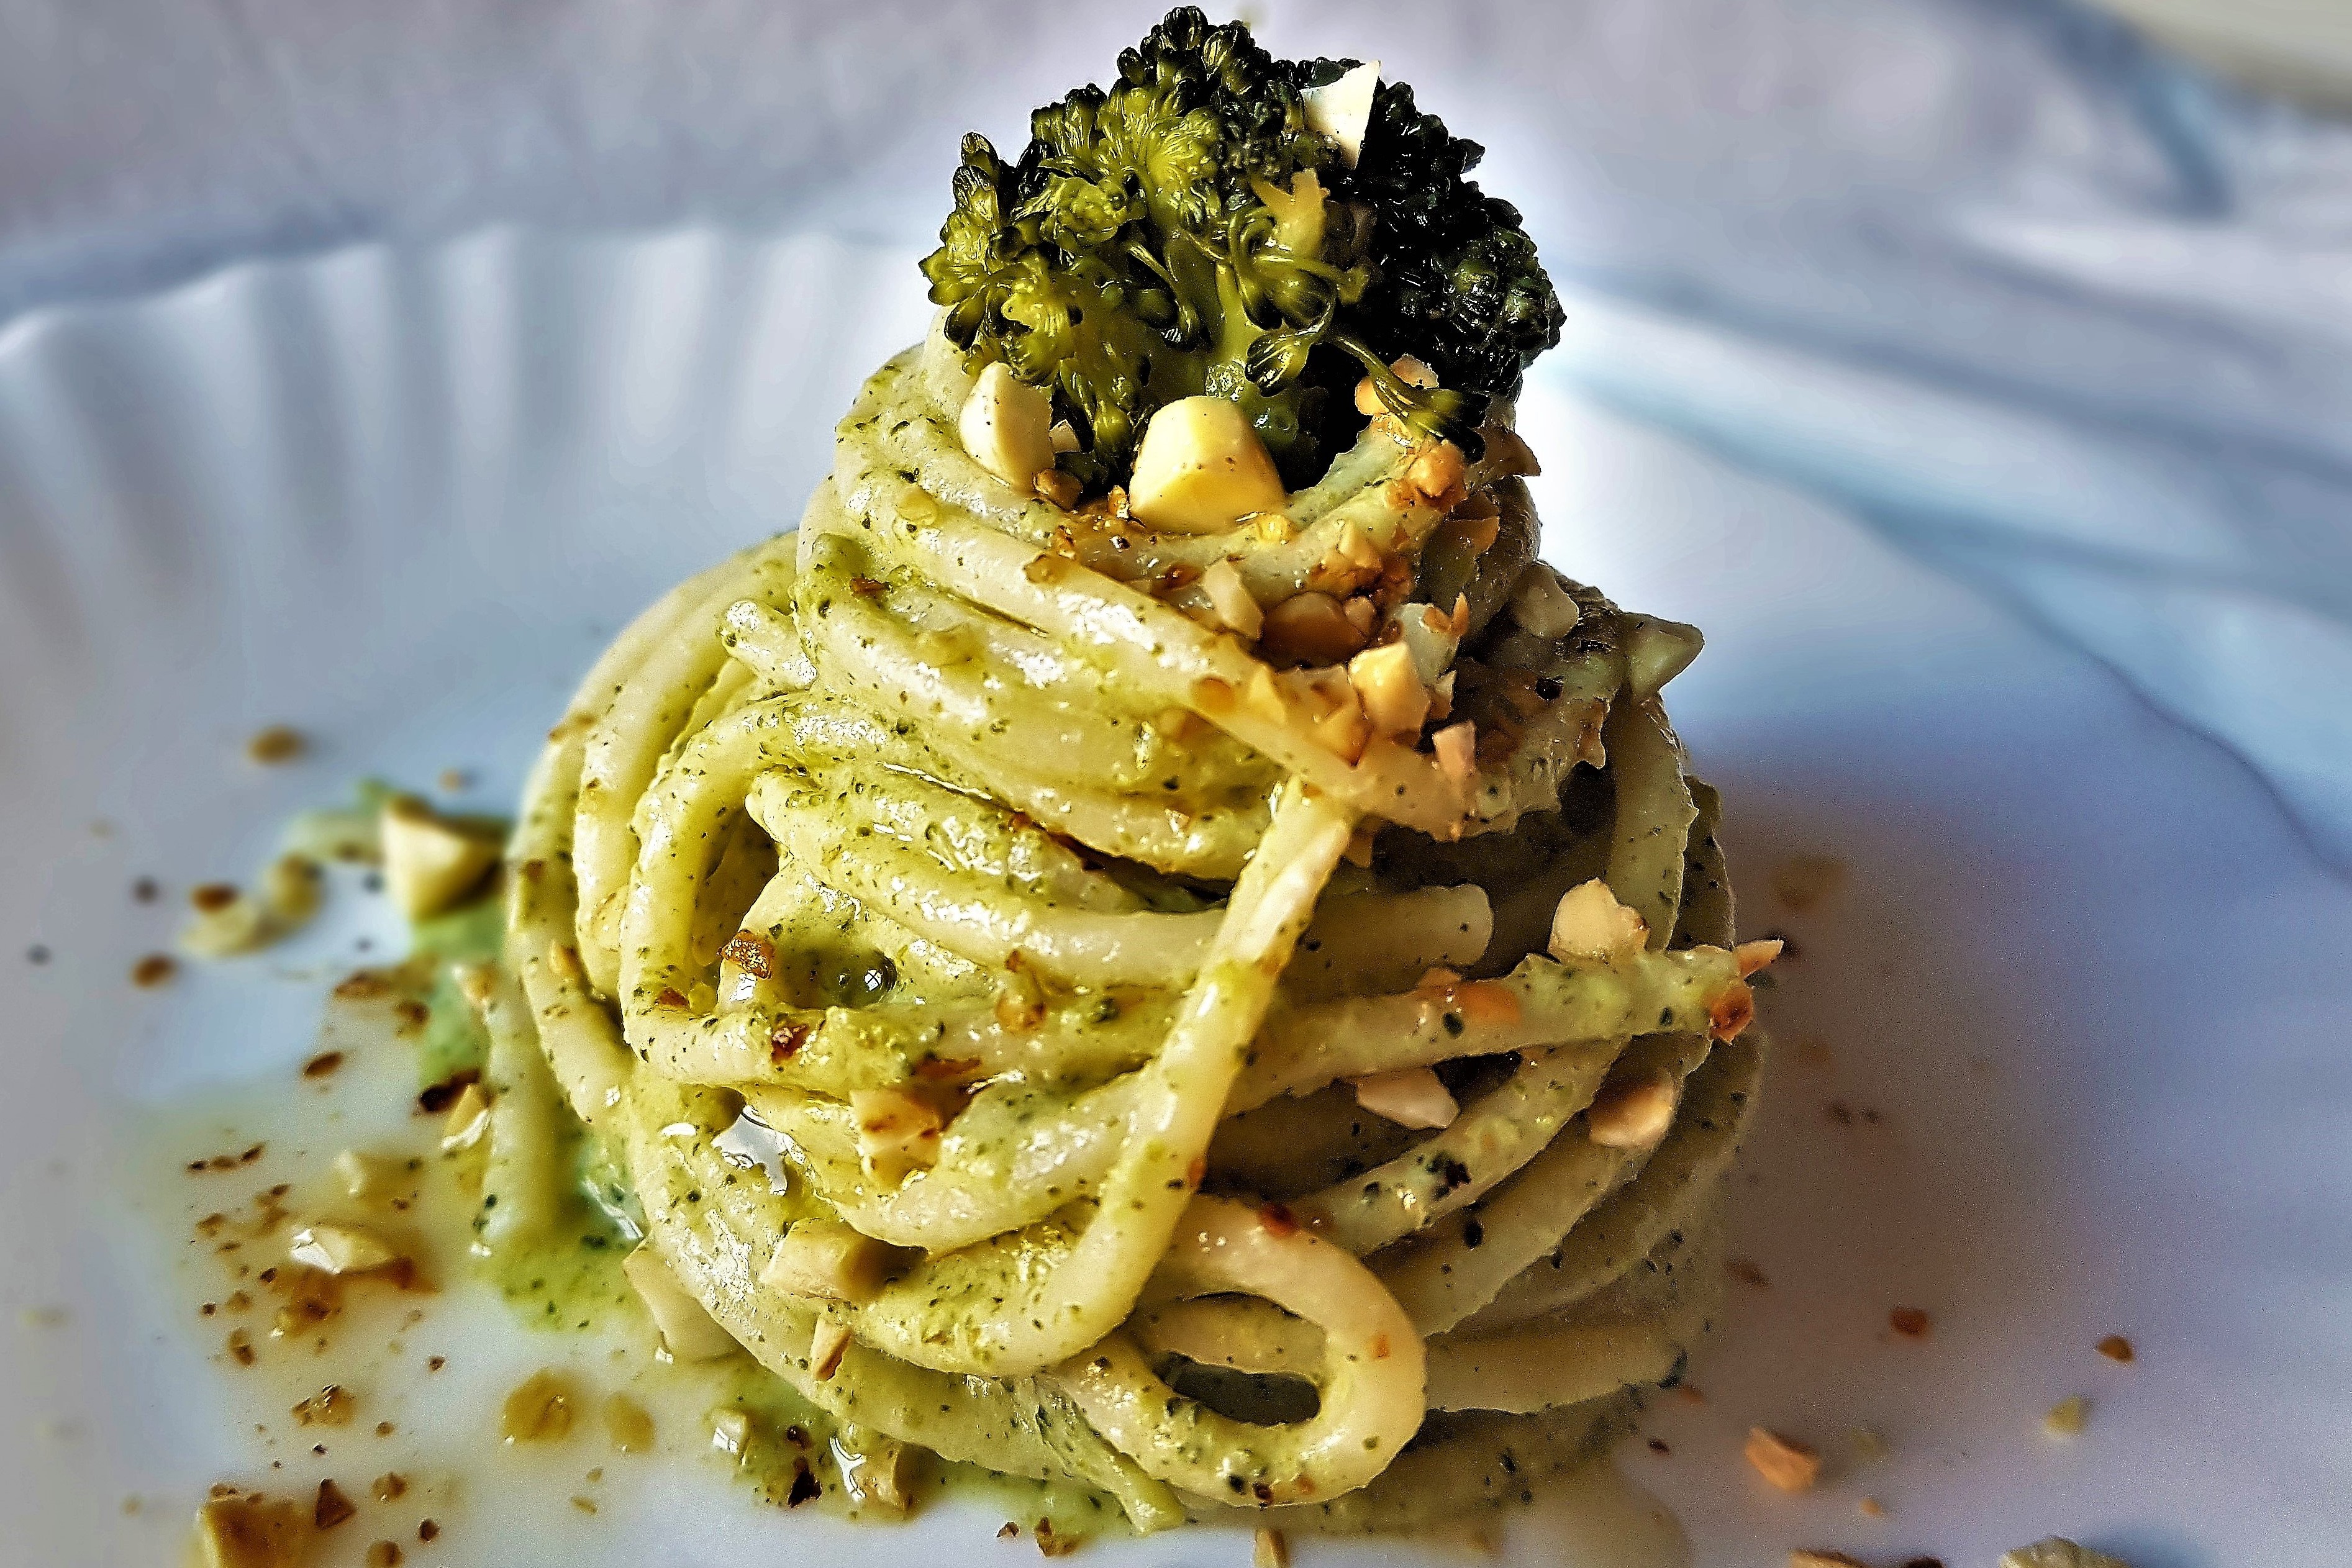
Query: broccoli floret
x,y
1187,230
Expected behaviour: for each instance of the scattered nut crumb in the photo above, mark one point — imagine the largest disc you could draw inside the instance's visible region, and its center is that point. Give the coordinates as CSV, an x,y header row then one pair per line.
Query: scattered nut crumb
x,y
153,970
331,1406
1270,1550
585,1505
1800,881
1871,1508
1008,1530
1658,1446
1690,1394
333,1507
384,1554
2067,1417
1813,1052
427,1529
146,890
1869,1443
2115,1347
1911,1323
323,1064
1745,1270
455,780
278,743
1784,1462
389,1486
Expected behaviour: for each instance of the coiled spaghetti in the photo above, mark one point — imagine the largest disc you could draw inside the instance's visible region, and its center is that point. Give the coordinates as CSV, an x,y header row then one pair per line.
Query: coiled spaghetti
x,y
1044,927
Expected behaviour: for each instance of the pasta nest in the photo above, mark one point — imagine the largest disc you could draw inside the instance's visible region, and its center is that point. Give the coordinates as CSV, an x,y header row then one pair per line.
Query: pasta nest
x,y
1058,941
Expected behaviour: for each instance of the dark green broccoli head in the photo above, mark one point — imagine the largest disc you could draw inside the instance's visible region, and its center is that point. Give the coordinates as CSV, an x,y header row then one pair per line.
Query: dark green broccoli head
x,y
1188,231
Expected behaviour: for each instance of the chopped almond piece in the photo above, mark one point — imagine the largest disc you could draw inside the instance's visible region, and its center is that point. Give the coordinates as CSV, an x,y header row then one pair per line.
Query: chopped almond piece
x,y
827,1261
2067,1418
245,1530
1408,1096
1270,1550
469,1118
2115,1347
1541,605
1911,1323
1309,628
1229,596
430,863
1787,1464
898,1134
341,1249
1590,923
730,1431
1456,749
1632,1112
828,1342
367,1175
1437,474
1871,1508
1754,956
1389,688
688,1332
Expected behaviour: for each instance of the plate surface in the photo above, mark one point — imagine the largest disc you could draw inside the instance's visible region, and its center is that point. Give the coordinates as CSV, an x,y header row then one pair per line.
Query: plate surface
x,y
2077,1060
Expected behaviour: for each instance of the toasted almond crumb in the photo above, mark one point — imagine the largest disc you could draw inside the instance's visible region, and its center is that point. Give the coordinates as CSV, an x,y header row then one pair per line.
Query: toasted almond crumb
x,y
1229,596
1752,957
384,1554
827,1344
1868,1443
153,970
1911,1323
1590,924
585,1505
389,1487
2115,1347
730,1431
1632,1112
1007,1531
1784,1462
278,743
1408,1096
1747,1272
1813,1052
333,1507
1871,1508
1456,749
2067,1418
331,1406
1270,1550
1800,881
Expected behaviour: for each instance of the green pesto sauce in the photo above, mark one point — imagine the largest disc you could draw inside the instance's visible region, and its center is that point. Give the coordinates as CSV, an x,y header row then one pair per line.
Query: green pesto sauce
x,y
796,1454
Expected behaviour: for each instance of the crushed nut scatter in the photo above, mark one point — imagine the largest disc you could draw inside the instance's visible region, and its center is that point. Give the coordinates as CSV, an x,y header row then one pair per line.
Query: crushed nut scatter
x,y
1786,1463
1911,1323
1746,1271
154,969
2067,1417
1802,882
1871,1508
333,1507
384,1554
1270,1550
389,1486
278,743
2115,1347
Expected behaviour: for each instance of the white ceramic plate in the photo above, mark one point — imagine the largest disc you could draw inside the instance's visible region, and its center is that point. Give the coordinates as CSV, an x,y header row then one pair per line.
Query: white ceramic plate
x,y
2081,996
